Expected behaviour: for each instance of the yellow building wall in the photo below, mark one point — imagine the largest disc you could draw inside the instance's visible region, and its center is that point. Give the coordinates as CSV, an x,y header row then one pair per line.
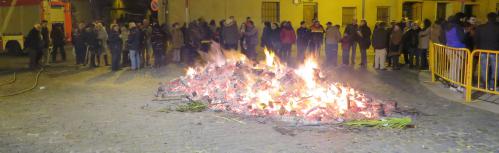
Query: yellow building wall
x,y
328,10
291,12
429,10
331,10
214,9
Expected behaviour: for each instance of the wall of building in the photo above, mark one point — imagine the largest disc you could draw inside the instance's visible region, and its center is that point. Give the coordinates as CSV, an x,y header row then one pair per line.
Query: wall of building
x,y
214,9
328,10
331,11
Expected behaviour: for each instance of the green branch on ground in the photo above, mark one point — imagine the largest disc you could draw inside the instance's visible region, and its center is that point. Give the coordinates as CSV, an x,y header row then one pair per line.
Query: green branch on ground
x,y
194,106
395,123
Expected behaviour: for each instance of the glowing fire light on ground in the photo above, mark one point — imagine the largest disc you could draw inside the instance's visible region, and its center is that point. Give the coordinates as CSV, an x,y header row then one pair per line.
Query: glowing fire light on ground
x,y
229,82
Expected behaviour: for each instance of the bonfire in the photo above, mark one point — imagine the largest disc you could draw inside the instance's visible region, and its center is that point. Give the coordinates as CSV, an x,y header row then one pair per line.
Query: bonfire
x,y
230,82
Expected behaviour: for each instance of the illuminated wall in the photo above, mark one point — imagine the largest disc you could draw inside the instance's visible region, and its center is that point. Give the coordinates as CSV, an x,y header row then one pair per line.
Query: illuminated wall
x,y
328,10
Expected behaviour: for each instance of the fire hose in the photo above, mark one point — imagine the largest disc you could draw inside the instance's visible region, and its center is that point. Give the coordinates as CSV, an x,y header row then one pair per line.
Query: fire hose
x,y
37,77
11,81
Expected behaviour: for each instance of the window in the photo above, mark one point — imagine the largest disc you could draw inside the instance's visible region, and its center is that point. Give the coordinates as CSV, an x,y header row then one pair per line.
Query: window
x,y
270,12
348,15
383,14
310,12
441,10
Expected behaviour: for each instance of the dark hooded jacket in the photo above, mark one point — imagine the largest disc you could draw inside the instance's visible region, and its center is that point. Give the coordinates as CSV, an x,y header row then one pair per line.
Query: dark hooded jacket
x,y
230,33
34,39
158,37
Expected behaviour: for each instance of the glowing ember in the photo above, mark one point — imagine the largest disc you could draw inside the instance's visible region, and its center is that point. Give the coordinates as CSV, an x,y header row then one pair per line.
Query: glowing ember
x,y
229,82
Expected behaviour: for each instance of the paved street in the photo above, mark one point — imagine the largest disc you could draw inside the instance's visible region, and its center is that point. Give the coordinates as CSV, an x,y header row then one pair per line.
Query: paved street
x,y
94,110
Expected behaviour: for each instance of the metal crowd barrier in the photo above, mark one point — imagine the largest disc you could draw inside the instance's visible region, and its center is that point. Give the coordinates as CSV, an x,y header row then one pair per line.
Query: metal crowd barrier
x,y
450,64
474,71
484,74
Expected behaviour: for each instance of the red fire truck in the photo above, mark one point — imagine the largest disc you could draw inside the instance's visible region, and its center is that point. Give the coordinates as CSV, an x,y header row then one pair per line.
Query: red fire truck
x,y
17,18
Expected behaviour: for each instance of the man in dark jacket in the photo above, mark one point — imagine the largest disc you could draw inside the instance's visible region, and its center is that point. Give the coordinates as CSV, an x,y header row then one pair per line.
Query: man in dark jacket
x,y
134,45
231,34
302,41
352,30
34,43
158,40
79,43
58,39
115,43
45,42
364,42
90,37
487,38
410,44
380,44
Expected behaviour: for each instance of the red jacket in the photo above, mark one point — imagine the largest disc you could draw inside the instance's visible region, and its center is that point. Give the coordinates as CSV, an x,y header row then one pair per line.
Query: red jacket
x,y
288,36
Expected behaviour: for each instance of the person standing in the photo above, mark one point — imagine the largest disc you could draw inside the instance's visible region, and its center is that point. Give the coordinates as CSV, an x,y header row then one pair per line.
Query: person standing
x,y
93,44
436,30
487,38
316,38
103,49
364,34
177,42
125,53
35,44
58,39
147,45
267,30
79,44
454,36
345,46
288,38
242,42
353,33
423,45
45,42
134,42
302,41
213,29
395,46
410,40
230,34
158,39
275,38
115,45
380,42
333,37
251,38
205,35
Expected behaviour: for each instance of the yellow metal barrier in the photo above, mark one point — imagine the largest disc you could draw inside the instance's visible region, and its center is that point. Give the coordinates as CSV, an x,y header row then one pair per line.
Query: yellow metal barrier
x,y
450,64
484,74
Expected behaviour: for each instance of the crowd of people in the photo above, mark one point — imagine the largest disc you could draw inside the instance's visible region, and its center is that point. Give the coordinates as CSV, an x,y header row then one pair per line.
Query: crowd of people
x,y
137,44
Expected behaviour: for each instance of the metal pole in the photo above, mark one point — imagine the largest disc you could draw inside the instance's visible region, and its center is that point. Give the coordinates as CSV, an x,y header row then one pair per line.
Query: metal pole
x,y
165,5
363,9
187,13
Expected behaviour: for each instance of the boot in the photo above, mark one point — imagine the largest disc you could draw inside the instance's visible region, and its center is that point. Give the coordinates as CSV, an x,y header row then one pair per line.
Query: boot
x,y
106,60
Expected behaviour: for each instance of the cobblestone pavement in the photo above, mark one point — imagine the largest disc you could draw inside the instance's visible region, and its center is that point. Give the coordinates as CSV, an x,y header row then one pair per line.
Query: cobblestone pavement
x,y
94,110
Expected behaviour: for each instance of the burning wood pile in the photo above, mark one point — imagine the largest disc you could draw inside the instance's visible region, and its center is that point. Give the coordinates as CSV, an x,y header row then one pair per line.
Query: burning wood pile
x,y
229,82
